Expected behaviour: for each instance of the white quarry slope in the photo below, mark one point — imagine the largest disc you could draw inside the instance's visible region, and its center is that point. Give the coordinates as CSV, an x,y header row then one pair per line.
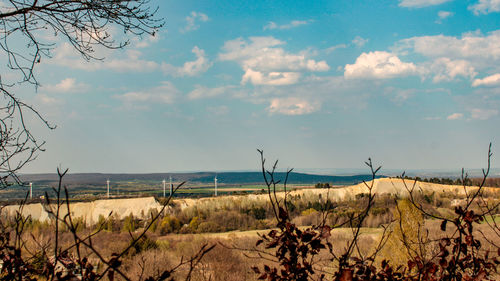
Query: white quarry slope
x,y
141,207
90,211
396,186
393,186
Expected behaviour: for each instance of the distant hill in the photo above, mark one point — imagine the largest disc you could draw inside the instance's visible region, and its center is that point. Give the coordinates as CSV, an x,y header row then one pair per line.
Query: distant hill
x,y
294,178
200,177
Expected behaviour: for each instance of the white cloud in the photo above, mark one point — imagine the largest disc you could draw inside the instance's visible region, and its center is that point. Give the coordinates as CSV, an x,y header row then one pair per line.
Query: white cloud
x,y
399,96
312,92
201,64
192,21
65,55
200,92
449,57
218,110
48,100
132,62
263,54
166,93
145,41
264,61
445,69
190,68
402,96
301,98
491,81
483,114
455,116
378,65
333,48
420,3
68,85
359,41
442,15
271,78
272,25
292,106
485,7
472,46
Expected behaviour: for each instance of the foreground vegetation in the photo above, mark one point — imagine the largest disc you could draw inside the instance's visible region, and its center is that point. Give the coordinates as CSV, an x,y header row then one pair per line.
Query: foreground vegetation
x,y
289,236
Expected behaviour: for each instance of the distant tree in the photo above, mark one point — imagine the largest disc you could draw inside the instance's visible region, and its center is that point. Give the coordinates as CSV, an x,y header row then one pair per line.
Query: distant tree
x,y
169,224
129,224
322,185
29,31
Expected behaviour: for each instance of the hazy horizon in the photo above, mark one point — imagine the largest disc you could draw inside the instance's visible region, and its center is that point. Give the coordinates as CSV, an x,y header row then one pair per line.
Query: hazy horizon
x,y
475,172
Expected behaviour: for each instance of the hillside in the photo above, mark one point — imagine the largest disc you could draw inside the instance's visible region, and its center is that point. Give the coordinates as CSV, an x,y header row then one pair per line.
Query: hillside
x,y
200,184
199,177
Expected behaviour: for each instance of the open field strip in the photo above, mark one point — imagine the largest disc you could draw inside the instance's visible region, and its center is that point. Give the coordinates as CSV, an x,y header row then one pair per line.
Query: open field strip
x,y
236,234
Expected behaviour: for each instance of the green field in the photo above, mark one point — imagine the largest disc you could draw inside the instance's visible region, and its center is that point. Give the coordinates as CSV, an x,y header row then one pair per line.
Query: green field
x,y
139,188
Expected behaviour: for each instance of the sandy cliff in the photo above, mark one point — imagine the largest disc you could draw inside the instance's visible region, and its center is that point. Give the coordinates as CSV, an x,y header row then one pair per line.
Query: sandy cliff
x,y
90,211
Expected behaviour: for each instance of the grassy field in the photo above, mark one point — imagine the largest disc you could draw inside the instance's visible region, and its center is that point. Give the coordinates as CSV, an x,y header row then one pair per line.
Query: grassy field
x,y
492,219
238,234
140,189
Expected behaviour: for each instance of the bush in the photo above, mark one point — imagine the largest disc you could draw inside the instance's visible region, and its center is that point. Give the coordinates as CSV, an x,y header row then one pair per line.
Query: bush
x,y
193,224
322,185
129,223
258,213
208,226
406,232
169,225
142,245
460,255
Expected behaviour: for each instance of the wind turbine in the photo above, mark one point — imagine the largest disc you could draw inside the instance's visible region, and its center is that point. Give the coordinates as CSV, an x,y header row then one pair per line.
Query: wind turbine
x,y
215,183
163,187
170,185
107,182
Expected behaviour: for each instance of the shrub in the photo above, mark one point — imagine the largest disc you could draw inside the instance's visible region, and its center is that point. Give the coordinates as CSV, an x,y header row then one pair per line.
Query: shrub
x,y
460,256
322,185
208,226
129,223
406,232
308,212
142,245
169,225
258,213
193,224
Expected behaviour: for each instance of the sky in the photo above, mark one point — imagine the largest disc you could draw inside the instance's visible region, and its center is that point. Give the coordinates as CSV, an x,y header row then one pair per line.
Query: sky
x,y
413,84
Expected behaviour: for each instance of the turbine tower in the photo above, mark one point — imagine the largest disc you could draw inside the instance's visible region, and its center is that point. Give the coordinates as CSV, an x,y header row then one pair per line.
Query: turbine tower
x,y
31,190
163,187
170,185
107,182
215,183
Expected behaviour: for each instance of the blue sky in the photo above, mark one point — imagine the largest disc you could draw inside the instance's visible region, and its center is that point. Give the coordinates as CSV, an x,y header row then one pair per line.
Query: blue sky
x,y
414,84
